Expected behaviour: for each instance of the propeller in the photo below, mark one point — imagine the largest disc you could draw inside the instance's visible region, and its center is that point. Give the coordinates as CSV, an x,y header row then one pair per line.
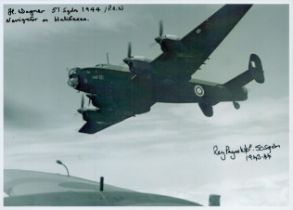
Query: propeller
x,y
159,38
81,109
90,97
161,28
129,50
161,31
82,101
129,56
128,60
107,56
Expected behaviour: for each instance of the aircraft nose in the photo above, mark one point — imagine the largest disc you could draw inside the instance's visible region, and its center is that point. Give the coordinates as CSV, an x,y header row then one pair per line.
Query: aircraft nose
x,y
73,82
73,78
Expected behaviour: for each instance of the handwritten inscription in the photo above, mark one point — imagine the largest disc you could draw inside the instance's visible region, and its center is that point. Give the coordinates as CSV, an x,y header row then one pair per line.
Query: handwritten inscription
x,y
249,151
58,14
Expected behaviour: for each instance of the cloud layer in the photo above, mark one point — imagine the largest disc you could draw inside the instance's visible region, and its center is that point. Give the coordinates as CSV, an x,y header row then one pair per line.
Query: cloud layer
x,y
169,151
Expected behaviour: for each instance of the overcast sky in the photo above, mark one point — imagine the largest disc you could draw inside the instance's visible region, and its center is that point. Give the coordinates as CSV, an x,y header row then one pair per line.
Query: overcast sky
x,y
170,149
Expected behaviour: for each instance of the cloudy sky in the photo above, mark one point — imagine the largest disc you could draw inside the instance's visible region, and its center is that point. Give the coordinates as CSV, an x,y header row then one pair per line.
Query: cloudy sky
x,y
170,149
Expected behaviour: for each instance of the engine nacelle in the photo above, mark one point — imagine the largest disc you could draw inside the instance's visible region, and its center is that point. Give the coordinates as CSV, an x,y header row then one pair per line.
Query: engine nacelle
x,y
206,109
140,67
87,115
94,100
170,43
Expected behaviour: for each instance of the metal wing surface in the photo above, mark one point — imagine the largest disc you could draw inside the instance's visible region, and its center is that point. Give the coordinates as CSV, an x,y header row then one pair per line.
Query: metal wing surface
x,y
199,44
101,120
24,182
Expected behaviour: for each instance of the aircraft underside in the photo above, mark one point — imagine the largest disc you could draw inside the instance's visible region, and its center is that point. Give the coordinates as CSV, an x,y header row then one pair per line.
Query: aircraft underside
x,y
119,93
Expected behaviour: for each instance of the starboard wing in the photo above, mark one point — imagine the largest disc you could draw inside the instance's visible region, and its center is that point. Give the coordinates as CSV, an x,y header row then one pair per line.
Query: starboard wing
x,y
199,44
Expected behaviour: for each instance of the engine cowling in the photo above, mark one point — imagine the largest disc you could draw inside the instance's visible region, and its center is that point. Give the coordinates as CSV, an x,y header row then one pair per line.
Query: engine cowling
x,y
87,115
93,99
169,43
139,67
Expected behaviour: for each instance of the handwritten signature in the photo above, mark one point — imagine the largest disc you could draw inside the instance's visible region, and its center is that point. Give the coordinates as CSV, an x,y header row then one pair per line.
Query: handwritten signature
x,y
58,14
251,152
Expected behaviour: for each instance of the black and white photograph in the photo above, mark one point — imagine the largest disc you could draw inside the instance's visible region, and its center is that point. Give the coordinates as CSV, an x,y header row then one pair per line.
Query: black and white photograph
x,y
146,104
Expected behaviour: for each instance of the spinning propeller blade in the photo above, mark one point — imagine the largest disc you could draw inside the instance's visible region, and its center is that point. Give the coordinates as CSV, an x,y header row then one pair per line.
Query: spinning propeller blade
x,y
129,50
81,109
82,102
159,38
161,28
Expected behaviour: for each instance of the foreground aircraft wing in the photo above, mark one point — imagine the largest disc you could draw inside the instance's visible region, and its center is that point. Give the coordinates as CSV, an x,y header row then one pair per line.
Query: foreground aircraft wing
x,y
41,189
100,121
199,44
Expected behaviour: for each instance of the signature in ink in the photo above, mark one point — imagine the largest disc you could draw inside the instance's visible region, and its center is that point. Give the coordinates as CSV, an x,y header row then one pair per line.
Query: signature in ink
x,y
251,152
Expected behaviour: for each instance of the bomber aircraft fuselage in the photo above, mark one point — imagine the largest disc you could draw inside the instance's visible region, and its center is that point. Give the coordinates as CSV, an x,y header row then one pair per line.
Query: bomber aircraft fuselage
x,y
119,92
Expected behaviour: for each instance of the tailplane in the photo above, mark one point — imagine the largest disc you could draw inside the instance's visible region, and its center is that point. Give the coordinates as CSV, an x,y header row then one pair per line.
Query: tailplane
x,y
254,72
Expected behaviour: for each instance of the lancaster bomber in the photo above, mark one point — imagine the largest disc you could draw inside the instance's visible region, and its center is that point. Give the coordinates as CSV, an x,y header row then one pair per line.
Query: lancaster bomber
x,y
118,93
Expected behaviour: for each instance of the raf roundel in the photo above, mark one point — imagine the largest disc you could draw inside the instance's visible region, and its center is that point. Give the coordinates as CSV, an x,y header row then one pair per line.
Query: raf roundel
x,y
199,91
